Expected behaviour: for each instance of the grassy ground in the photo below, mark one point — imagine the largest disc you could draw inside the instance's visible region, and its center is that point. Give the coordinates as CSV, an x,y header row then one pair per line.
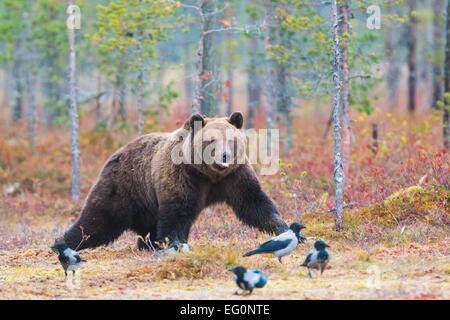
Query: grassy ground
x,y
406,270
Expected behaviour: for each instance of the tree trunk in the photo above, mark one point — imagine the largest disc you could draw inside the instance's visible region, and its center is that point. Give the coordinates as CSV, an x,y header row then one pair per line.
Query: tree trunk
x,y
346,130
140,98
253,81
283,102
446,116
338,170
98,104
208,101
412,57
6,88
437,53
393,71
53,89
74,117
122,90
188,87
31,110
230,79
269,73
17,95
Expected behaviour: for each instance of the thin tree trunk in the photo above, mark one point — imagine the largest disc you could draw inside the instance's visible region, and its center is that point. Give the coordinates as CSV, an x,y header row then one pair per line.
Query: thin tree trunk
x,y
393,71
140,101
374,146
53,89
269,74
196,104
288,143
346,130
188,86
230,79
327,127
122,98
208,103
437,53
338,170
284,103
253,82
119,93
98,105
446,116
6,88
31,111
74,117
412,57
140,93
17,95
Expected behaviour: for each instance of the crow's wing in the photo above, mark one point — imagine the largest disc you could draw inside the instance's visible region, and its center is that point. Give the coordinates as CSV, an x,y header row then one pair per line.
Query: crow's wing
x,y
77,257
63,258
323,256
307,260
274,245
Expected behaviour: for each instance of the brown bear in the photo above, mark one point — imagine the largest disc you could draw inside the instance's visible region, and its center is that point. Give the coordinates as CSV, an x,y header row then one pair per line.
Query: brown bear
x,y
142,187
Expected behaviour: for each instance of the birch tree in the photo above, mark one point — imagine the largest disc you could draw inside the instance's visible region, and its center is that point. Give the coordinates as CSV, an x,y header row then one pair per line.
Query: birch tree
x,y
345,89
73,112
338,170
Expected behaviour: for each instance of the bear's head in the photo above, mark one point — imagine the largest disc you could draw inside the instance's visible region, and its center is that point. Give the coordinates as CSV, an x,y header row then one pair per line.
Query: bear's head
x,y
215,146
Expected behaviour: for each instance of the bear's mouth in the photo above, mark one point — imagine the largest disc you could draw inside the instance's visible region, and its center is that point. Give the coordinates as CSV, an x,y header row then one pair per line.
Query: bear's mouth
x,y
221,165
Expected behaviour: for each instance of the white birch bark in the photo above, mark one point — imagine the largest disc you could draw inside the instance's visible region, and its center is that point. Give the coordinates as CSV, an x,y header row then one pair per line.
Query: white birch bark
x,y
73,113
346,130
338,169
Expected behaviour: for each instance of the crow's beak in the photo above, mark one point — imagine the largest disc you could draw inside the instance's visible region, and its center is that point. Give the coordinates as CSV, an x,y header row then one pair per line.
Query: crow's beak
x,y
327,246
231,269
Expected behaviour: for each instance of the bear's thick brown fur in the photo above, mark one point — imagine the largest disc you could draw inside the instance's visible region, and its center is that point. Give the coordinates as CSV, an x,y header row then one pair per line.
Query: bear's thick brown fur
x,y
141,189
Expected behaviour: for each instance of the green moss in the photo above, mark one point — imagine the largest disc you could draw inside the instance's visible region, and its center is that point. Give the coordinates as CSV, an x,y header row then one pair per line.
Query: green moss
x,y
429,204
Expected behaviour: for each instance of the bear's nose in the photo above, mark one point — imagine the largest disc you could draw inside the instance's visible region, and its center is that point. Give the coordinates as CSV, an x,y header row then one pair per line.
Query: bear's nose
x,y
226,157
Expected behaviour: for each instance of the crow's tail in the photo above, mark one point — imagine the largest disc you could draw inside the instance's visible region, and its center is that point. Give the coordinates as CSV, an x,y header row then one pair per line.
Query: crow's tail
x,y
250,253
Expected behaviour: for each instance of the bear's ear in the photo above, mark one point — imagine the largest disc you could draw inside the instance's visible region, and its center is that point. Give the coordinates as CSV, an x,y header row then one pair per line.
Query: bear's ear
x,y
236,119
191,122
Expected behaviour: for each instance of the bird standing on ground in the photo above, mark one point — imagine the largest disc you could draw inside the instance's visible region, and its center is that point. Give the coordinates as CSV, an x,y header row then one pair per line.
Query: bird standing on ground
x,y
174,246
283,244
247,280
180,246
70,260
317,258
